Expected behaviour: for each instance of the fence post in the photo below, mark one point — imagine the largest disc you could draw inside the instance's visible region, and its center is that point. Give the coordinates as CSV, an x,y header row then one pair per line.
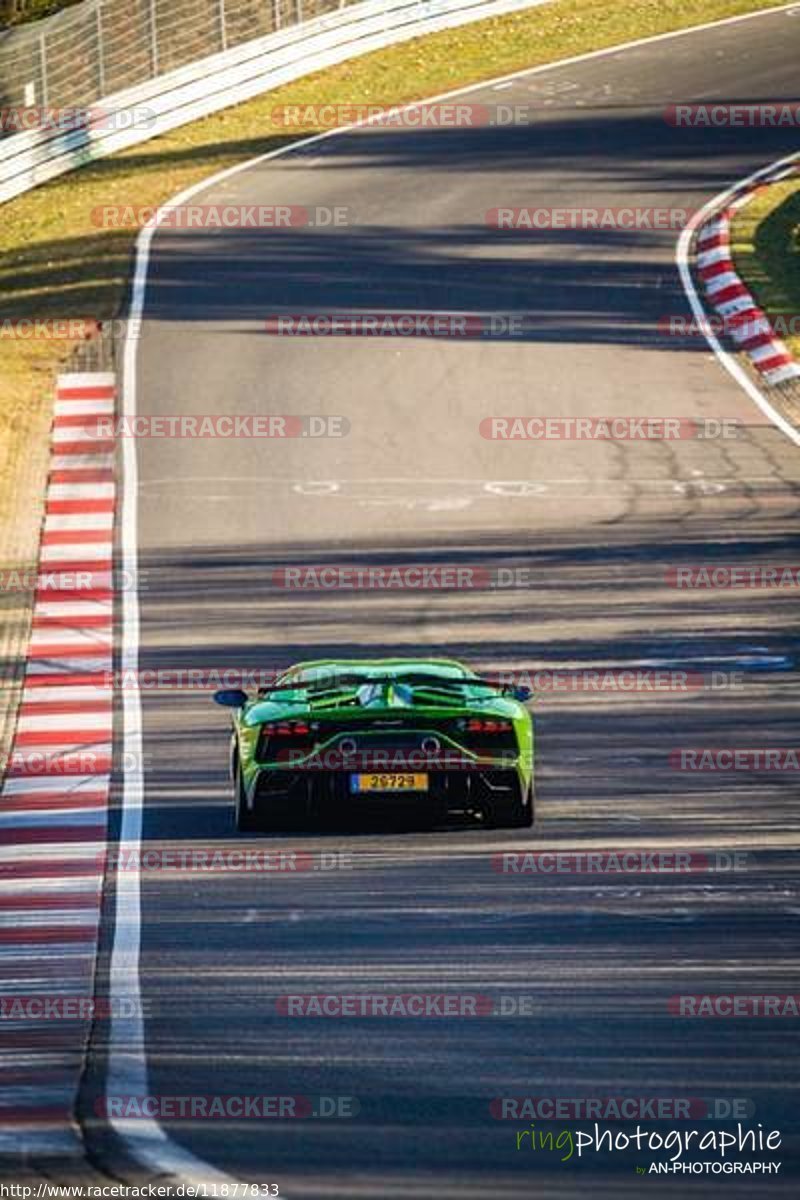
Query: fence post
x,y
153,39
223,31
43,64
101,64
276,7
299,11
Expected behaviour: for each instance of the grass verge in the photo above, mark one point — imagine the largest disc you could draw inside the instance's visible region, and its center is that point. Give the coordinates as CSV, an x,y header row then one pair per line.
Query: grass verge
x,y
765,244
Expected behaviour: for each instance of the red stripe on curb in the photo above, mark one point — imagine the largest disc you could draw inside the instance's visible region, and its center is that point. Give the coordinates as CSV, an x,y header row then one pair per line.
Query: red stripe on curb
x,y
67,679
57,508
717,268
34,835
67,736
56,650
87,392
37,935
716,241
66,566
35,801
88,420
93,621
732,292
75,537
50,868
57,898
86,448
65,595
82,475
756,341
782,359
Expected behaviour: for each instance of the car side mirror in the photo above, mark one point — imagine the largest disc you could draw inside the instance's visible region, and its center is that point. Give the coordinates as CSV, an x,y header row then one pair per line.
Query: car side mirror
x,y
522,694
231,698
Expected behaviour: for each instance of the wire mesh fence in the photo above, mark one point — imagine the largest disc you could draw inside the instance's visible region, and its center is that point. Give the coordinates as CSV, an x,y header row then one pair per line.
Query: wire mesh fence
x,y
75,58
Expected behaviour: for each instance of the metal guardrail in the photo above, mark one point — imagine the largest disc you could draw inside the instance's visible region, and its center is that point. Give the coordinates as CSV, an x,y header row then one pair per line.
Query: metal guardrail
x,y
102,46
143,84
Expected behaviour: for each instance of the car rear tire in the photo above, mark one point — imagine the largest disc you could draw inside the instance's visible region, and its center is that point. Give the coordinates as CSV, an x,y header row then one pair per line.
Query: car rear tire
x,y
514,811
247,819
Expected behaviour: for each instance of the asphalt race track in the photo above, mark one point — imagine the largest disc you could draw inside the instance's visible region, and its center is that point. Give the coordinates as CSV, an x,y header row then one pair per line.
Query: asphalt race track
x,y
591,961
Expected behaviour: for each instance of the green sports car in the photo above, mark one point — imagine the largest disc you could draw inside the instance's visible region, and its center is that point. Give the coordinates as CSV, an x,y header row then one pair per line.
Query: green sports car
x,y
377,733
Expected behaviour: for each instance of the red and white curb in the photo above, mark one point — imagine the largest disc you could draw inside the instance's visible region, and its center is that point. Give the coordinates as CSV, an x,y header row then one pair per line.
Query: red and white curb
x,y
54,801
748,325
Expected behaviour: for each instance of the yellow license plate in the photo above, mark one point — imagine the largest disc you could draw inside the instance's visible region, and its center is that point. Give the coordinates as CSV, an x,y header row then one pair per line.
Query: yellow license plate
x,y
389,782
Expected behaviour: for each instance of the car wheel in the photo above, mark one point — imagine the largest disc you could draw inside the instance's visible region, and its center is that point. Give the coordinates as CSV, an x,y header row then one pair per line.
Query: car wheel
x,y
247,820
514,811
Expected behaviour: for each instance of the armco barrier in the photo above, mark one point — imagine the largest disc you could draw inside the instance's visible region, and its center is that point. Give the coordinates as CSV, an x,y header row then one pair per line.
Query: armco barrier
x,y
212,83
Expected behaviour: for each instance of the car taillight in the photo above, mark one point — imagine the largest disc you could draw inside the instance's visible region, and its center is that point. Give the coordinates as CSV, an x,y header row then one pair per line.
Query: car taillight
x,y
282,739
287,729
486,725
487,735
